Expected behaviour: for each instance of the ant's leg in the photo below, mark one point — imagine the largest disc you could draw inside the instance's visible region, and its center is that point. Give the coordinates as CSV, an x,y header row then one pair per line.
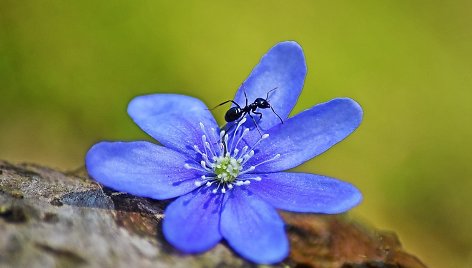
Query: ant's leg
x,y
259,114
255,123
225,103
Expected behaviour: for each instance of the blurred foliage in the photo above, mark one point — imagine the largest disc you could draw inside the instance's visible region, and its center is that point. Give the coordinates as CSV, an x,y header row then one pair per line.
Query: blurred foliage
x,y
69,68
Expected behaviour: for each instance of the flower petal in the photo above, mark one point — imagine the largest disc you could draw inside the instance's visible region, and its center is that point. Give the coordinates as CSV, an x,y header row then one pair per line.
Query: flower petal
x,y
307,135
301,192
173,120
284,68
191,222
253,228
140,168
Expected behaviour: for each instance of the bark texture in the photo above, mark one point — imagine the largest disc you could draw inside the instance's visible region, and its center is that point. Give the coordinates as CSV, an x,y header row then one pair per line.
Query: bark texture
x,y
50,218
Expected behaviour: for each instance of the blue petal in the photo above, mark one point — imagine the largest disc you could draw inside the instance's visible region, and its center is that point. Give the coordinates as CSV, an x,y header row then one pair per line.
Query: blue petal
x,y
284,68
191,222
140,168
300,192
173,120
307,135
253,228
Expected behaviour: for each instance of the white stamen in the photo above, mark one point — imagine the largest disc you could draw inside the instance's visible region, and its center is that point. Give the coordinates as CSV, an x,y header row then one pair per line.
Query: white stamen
x,y
203,164
195,147
268,160
247,157
243,152
265,136
213,136
203,142
235,152
251,168
207,161
217,188
225,140
207,145
254,179
236,130
245,131
222,148
187,166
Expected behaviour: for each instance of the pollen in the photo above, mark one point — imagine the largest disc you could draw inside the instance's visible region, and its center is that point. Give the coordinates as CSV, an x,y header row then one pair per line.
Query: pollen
x,y
226,168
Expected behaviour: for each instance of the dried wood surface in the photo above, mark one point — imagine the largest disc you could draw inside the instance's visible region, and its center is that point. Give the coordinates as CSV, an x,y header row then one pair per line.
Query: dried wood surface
x,y
50,218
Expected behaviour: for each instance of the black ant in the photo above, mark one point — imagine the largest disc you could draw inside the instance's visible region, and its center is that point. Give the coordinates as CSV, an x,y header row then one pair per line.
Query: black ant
x,y
237,113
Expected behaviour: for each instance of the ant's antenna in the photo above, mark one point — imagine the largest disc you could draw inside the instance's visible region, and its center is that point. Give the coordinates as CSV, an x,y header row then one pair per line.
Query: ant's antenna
x,y
267,97
272,108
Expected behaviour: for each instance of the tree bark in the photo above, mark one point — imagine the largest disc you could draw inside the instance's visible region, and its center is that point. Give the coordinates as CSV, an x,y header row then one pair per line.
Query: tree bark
x,y
50,218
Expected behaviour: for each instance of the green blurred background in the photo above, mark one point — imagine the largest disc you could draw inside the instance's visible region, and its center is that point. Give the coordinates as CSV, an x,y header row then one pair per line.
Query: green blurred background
x,y
69,68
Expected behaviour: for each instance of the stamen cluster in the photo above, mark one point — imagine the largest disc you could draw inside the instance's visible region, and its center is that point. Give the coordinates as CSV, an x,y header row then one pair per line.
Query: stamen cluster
x,y
222,160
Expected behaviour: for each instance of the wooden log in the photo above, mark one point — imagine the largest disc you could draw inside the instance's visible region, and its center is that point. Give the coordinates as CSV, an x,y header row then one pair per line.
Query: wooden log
x,y
50,218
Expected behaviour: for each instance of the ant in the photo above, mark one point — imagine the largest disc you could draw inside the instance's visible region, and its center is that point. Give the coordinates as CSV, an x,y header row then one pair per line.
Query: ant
x,y
237,113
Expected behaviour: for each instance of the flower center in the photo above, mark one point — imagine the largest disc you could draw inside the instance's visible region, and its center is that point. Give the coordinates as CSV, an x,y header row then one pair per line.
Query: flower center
x,y
223,161
226,168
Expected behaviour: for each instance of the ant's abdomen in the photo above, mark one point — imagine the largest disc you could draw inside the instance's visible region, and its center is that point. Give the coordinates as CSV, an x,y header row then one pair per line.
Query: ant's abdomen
x,y
233,114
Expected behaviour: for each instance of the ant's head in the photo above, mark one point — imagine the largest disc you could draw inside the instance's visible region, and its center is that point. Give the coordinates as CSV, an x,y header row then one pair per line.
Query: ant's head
x,y
262,103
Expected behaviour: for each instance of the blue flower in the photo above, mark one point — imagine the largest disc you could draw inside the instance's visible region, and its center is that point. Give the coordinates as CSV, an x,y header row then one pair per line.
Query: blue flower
x,y
229,184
